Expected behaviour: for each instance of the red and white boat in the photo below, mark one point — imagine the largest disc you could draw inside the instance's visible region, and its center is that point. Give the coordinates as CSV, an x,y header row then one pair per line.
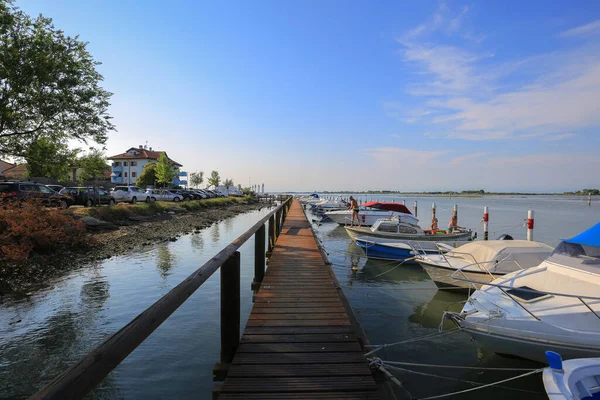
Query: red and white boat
x,y
370,212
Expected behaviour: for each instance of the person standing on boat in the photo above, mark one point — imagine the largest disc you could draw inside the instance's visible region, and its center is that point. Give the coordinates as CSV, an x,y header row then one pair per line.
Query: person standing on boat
x,y
355,209
434,225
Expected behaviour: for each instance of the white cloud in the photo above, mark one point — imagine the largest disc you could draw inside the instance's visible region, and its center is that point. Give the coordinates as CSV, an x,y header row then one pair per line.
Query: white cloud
x,y
470,97
391,157
467,157
588,29
561,136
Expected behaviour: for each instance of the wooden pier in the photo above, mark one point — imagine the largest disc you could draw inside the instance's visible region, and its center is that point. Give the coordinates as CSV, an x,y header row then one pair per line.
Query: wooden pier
x,y
300,342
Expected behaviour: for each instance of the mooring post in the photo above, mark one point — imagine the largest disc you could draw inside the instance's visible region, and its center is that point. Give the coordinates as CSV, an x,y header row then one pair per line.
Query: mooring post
x,y
432,212
455,216
589,199
530,225
259,257
485,223
404,203
415,206
230,314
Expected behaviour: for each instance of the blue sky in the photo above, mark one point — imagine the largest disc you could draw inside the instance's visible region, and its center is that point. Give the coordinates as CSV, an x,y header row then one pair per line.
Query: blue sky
x,y
356,95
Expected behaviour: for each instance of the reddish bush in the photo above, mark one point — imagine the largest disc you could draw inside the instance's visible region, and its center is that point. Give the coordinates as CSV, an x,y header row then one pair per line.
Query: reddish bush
x,y
27,227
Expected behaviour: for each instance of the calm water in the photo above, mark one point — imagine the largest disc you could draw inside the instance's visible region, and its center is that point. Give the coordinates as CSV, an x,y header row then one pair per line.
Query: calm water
x,y
50,329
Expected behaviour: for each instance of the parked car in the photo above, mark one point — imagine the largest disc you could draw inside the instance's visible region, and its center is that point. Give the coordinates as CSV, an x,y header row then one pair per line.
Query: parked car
x,y
164,195
15,190
200,193
56,188
131,194
217,194
192,194
88,196
179,192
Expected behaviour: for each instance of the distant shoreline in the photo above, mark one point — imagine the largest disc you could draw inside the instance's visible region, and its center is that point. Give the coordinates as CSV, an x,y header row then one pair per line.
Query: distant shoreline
x,y
446,194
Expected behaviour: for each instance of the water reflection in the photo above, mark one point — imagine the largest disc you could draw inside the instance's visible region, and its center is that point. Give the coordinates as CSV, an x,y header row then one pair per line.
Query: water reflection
x,y
228,225
215,234
197,242
164,260
429,314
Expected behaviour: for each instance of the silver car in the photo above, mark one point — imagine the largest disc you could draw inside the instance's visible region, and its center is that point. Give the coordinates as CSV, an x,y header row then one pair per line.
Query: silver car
x,y
164,195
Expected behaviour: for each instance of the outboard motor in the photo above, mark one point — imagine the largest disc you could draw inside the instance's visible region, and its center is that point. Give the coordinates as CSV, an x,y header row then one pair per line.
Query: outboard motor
x,y
505,236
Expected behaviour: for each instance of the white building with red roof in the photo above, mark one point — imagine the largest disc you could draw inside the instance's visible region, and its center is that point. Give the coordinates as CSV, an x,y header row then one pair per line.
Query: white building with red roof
x,y
127,167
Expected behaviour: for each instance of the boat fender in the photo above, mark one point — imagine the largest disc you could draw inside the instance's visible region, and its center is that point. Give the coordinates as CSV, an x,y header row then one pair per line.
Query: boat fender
x,y
555,361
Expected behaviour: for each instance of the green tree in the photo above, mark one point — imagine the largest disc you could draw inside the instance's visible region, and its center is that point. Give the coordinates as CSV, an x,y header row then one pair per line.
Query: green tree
x,y
148,176
196,179
228,182
165,173
48,158
49,86
93,165
214,179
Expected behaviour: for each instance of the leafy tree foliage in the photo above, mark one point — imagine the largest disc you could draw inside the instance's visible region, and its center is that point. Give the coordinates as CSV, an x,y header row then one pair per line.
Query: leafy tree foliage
x,y
148,176
49,86
196,179
228,182
165,173
93,165
48,158
214,179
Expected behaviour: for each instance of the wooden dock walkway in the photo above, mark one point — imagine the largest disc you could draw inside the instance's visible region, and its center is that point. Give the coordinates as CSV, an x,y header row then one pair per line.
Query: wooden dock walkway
x,y
299,342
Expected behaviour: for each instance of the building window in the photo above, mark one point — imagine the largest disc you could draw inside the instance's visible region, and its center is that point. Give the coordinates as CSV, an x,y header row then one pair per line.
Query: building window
x,y
133,174
125,174
124,163
117,164
134,163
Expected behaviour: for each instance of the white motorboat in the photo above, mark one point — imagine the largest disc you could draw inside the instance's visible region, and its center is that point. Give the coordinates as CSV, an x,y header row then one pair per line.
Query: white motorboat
x,y
329,205
572,379
554,306
481,261
403,227
370,212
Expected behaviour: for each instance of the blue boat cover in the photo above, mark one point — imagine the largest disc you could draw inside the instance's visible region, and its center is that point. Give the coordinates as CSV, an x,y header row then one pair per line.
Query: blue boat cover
x,y
591,237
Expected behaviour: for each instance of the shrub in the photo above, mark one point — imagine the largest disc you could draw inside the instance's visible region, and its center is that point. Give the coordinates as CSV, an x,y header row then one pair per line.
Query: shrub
x,y
28,227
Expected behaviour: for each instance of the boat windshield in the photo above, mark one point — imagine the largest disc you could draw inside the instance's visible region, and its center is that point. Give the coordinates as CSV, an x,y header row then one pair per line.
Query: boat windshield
x,y
576,250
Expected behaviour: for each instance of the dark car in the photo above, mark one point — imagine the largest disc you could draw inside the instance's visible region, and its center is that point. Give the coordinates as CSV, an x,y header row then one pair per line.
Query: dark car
x,y
56,188
192,194
14,190
182,193
89,196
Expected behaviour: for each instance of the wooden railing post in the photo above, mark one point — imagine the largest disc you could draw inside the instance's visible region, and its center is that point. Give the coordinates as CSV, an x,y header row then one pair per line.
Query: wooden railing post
x,y
271,234
230,309
277,224
259,257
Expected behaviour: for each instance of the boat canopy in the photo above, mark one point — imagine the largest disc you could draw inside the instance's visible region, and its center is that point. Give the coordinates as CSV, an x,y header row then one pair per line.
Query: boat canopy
x,y
525,252
388,206
591,237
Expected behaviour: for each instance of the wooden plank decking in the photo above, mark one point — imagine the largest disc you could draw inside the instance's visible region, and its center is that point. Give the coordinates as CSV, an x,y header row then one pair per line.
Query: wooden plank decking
x,y
299,342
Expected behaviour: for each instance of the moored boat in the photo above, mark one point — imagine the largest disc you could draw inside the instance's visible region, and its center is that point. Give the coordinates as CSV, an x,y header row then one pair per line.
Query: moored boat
x,y
554,306
397,227
481,261
571,379
370,212
400,250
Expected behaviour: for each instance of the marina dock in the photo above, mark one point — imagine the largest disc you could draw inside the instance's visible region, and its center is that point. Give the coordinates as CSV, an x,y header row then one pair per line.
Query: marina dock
x,y
300,341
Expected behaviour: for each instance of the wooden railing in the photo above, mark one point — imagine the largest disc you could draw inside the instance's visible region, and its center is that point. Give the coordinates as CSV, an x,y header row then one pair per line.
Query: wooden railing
x,y
84,376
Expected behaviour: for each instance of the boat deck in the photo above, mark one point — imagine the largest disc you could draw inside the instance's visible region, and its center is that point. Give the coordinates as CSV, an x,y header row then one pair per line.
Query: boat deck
x,y
299,342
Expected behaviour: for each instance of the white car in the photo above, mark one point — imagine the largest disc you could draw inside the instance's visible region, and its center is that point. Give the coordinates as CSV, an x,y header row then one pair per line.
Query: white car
x,y
131,194
164,195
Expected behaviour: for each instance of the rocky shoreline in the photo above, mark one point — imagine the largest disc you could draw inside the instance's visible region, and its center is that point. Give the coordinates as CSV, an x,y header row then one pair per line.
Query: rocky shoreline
x,y
134,234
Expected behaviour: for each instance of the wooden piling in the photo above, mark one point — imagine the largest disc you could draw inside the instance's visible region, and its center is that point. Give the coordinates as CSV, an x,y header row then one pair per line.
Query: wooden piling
x,y
230,307
259,257
530,225
415,206
589,199
432,212
485,223
455,216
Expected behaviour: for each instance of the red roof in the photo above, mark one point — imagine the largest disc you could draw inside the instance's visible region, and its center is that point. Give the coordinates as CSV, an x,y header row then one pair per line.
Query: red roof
x,y
388,206
142,154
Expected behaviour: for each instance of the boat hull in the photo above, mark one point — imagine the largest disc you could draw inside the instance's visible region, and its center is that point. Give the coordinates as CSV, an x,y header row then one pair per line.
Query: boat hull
x,y
529,347
442,277
355,232
379,251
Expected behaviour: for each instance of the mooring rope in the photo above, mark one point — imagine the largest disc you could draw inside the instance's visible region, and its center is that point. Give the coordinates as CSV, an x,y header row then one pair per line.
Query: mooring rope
x,y
454,366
